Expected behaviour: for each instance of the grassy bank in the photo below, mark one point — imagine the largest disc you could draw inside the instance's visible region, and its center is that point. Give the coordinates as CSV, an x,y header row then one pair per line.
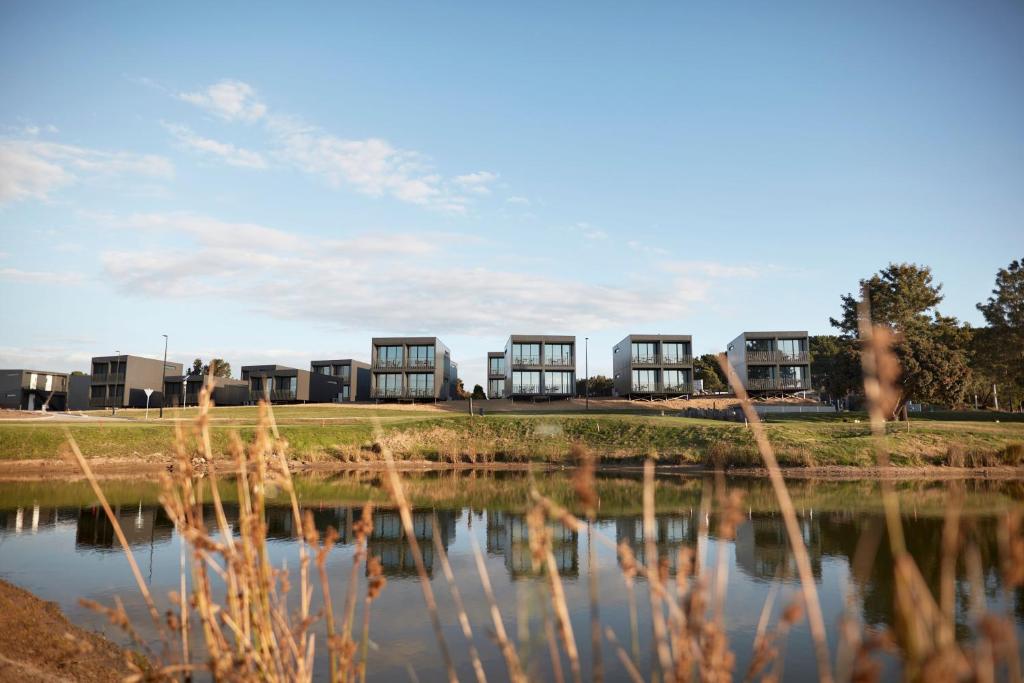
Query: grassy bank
x,y
348,437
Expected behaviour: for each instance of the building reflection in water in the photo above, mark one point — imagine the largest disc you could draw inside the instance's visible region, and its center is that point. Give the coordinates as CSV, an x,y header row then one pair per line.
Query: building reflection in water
x,y
508,535
672,533
762,547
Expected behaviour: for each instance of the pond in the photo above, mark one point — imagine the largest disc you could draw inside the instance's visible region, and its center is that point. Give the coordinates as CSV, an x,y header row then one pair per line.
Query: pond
x,y
56,542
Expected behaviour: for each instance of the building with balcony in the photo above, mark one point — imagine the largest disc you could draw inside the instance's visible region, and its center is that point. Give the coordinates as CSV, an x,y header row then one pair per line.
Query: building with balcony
x,y
495,374
354,376
771,362
540,366
33,390
224,391
653,366
122,381
411,369
282,384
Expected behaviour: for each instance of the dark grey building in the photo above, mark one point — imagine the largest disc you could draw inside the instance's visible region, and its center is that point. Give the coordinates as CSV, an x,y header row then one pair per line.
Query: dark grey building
x,y
224,391
122,381
495,374
411,368
289,385
33,390
540,366
354,376
78,391
653,365
771,362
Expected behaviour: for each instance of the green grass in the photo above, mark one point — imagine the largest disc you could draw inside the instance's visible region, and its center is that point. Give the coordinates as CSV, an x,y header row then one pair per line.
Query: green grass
x,y
346,434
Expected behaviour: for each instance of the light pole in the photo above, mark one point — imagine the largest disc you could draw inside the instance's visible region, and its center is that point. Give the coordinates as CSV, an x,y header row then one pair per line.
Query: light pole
x,y
586,368
163,380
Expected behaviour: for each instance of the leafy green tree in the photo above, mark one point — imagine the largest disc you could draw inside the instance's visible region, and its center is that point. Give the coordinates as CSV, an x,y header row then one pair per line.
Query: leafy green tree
x,y
835,366
599,386
478,392
197,368
221,368
706,367
932,348
998,349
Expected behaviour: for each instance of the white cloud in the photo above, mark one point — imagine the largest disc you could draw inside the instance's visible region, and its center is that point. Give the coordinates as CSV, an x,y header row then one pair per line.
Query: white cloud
x,y
714,269
477,183
518,200
228,99
645,248
226,152
588,231
372,166
40,277
32,169
393,282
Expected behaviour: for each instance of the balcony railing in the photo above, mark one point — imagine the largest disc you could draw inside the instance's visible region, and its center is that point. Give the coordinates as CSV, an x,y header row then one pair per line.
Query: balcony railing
x,y
660,388
109,378
421,363
644,360
525,389
773,384
496,372
525,360
379,392
775,356
420,392
388,363
559,362
686,359
408,392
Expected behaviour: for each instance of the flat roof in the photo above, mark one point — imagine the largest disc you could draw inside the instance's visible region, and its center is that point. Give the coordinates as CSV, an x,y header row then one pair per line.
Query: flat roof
x,y
557,338
339,361
38,372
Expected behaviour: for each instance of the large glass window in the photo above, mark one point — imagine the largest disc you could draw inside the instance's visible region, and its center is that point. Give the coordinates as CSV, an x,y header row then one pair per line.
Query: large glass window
x,y
324,369
495,388
286,384
497,365
421,356
99,368
645,352
675,352
98,391
526,354
793,374
345,392
759,345
677,380
526,382
558,383
791,348
645,380
345,372
558,354
761,371
421,384
389,356
256,384
389,384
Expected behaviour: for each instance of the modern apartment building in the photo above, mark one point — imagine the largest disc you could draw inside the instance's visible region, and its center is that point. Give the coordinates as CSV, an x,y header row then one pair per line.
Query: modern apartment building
x,y
223,390
283,384
411,368
122,381
495,374
540,366
33,390
354,376
771,362
653,365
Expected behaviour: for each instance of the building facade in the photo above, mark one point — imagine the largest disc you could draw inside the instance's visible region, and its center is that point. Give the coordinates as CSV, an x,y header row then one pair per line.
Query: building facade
x,y
771,362
540,366
411,368
122,381
33,390
354,376
282,384
653,366
224,391
495,374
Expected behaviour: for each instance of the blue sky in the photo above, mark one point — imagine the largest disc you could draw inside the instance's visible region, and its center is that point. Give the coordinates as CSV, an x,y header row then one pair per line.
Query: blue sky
x,y
267,182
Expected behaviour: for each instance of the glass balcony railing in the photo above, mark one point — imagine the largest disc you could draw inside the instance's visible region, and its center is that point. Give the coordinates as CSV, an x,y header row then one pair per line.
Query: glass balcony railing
x,y
525,389
777,384
526,360
645,360
559,362
388,363
421,362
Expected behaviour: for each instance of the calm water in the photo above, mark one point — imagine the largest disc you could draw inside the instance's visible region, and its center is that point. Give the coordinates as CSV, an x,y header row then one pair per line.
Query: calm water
x,y
55,542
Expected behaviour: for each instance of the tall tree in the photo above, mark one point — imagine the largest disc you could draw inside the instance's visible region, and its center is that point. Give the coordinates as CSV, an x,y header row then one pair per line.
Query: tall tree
x,y
835,366
197,368
219,367
932,348
999,347
599,386
706,368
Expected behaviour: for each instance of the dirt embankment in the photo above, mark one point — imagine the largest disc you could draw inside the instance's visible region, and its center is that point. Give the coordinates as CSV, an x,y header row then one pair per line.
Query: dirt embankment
x,y
38,643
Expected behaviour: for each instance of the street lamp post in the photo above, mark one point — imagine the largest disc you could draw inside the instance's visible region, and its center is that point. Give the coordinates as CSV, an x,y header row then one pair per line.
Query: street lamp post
x,y
163,380
586,368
